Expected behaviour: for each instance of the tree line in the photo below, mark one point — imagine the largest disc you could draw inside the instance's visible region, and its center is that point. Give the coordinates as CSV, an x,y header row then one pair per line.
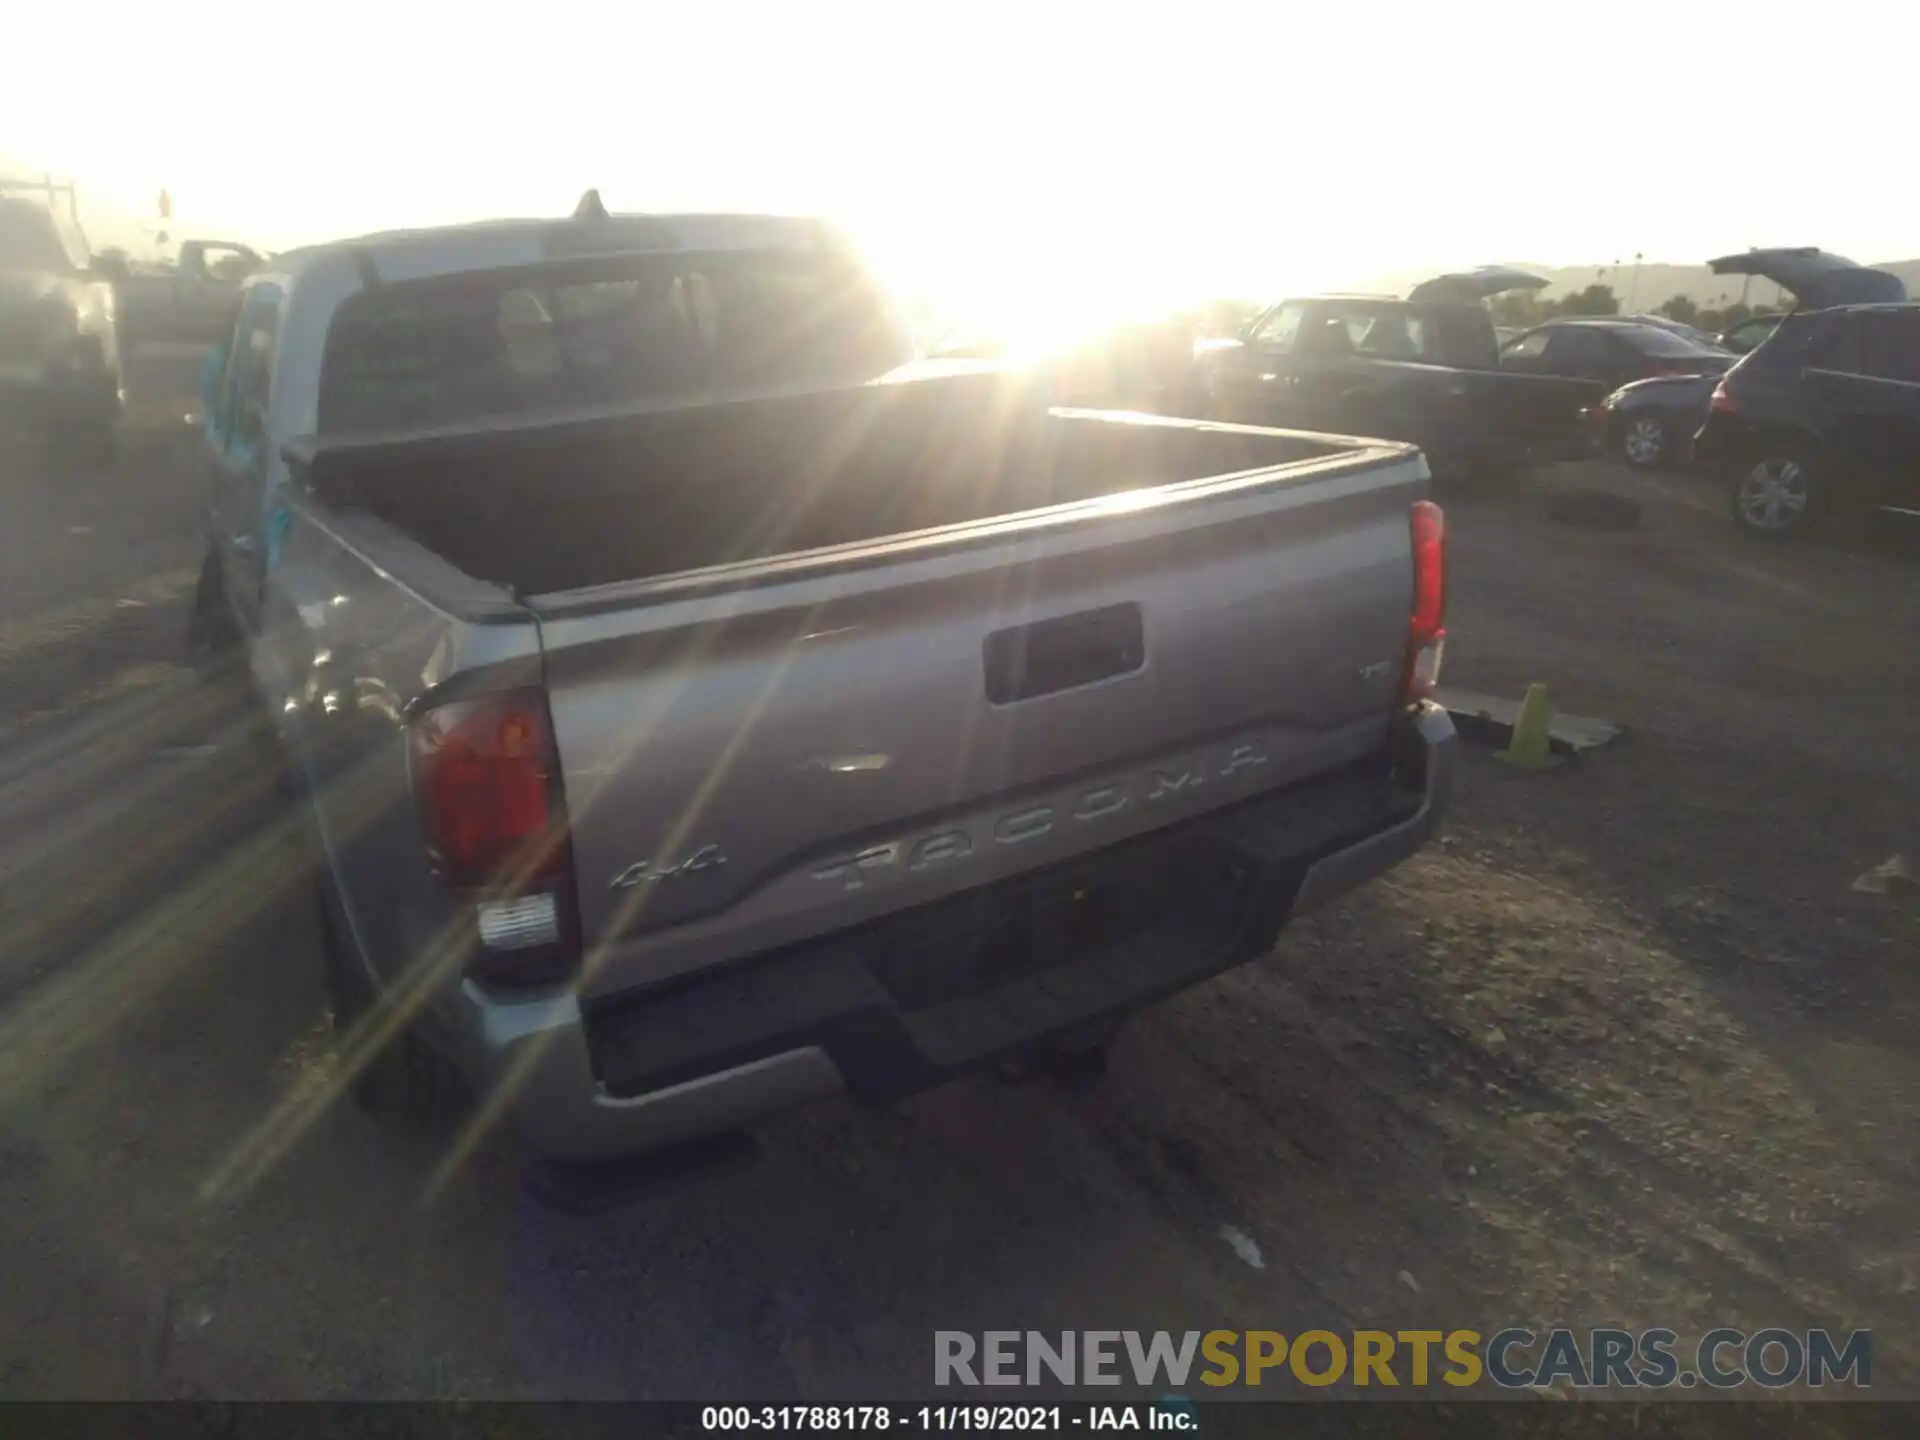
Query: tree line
x,y
1516,310
1519,309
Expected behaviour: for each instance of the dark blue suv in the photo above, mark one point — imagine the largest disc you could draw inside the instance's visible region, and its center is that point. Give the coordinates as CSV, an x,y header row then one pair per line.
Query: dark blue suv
x,y
1822,418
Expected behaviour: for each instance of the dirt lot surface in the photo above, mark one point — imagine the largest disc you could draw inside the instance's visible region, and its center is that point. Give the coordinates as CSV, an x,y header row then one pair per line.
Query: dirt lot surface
x,y
1624,1049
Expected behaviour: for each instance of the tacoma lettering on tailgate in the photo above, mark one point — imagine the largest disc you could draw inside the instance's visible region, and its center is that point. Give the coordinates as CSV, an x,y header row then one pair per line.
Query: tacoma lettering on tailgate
x,y
1174,783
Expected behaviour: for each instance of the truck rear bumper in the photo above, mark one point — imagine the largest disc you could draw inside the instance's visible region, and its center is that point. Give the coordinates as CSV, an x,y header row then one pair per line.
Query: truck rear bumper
x,y
910,1001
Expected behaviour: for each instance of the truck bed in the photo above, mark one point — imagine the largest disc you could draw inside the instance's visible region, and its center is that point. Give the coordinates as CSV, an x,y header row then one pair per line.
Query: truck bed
x,y
758,752
584,503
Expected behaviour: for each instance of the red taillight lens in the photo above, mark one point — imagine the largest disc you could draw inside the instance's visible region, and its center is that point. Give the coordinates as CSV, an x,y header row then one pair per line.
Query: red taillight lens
x,y
488,781
488,788
1426,627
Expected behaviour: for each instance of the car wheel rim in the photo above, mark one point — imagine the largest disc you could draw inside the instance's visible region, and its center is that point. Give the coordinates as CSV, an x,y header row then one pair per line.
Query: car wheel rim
x,y
1773,495
1644,439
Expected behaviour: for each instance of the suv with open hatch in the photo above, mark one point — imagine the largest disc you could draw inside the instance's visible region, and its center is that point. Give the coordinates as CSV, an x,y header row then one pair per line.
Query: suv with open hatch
x,y
1821,419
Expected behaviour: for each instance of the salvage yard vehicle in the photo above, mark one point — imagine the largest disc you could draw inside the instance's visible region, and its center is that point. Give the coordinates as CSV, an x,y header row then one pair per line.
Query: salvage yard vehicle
x,y
59,335
1823,418
1613,352
703,706
1657,379
1425,370
1652,422
194,301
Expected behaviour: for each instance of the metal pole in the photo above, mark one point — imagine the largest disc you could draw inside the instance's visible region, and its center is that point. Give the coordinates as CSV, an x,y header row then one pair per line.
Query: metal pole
x,y
1633,287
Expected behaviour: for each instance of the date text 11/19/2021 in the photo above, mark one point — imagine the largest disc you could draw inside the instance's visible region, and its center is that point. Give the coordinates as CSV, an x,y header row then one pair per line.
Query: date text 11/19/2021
x,y
1171,1415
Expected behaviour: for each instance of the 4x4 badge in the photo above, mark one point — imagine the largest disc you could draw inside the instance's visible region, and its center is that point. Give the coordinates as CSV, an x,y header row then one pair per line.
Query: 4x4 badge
x,y
647,872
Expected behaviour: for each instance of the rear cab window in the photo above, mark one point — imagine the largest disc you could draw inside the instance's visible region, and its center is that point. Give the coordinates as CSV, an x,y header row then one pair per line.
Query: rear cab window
x,y
228,264
654,327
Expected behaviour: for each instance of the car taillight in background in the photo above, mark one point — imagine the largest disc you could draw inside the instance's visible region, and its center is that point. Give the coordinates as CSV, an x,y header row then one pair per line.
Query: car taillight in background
x,y
1426,627
487,776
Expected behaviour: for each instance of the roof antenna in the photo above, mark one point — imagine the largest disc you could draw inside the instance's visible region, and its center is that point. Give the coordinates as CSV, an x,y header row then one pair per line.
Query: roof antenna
x,y
590,207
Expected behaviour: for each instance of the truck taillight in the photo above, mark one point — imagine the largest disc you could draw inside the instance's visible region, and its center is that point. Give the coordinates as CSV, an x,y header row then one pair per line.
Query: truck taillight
x,y
488,780
1426,627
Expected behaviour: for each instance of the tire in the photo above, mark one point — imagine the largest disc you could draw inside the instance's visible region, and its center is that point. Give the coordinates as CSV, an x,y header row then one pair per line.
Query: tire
x,y
405,1083
1646,442
211,632
1775,495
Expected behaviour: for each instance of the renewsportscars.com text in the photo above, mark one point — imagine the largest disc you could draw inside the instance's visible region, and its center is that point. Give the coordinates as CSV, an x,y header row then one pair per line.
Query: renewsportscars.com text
x,y
1513,1358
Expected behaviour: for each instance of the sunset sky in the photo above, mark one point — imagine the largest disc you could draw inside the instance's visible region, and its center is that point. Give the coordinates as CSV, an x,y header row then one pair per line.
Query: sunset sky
x,y
1003,156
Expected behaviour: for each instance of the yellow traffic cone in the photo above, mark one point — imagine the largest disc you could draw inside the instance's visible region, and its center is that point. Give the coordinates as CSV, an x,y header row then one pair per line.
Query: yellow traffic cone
x,y
1532,747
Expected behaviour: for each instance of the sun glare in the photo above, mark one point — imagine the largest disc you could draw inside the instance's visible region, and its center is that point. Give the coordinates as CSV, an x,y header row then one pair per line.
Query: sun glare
x,y
1030,301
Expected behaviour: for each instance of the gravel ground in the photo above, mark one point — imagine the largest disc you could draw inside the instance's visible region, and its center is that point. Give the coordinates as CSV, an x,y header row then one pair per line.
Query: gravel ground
x,y
1625,1048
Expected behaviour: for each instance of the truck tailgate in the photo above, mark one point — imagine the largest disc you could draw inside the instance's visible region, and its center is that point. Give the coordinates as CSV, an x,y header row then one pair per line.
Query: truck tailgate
x,y
751,764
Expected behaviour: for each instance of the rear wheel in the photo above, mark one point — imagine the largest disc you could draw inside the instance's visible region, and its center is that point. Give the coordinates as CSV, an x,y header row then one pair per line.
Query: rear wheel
x,y
404,1081
1644,441
1775,496
210,629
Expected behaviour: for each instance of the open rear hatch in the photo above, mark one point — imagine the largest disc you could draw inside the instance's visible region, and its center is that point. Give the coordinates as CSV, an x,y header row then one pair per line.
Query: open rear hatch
x,y
1817,279
1470,286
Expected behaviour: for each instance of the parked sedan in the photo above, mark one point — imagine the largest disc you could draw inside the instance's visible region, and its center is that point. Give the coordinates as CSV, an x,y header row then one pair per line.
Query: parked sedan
x,y
1615,351
1652,422
1653,373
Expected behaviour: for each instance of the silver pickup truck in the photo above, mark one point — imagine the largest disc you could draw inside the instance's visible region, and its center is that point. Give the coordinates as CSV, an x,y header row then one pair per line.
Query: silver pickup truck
x,y
703,707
